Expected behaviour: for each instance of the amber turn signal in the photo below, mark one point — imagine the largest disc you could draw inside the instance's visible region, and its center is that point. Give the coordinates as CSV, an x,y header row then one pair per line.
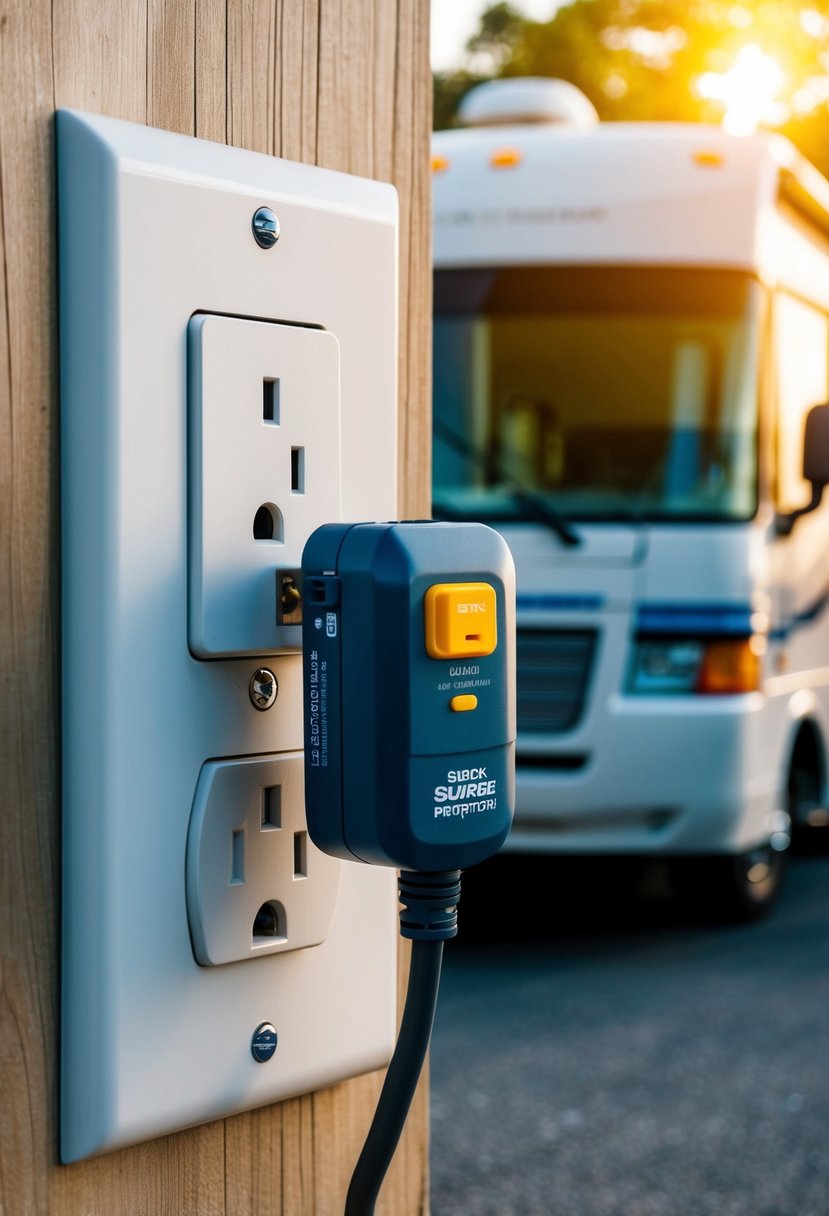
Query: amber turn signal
x,y
730,667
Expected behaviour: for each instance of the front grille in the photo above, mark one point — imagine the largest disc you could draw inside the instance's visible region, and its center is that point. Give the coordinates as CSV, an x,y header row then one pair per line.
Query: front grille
x,y
554,668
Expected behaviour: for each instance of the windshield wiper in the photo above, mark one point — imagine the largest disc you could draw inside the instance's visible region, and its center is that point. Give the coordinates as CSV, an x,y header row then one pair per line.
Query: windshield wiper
x,y
540,509
534,504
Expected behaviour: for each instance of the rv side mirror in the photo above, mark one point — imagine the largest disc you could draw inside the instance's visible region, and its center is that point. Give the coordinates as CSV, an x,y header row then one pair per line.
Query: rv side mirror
x,y
815,465
816,446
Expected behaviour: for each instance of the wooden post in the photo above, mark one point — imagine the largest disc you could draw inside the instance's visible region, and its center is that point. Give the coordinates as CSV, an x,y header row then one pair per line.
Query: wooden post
x,y
340,83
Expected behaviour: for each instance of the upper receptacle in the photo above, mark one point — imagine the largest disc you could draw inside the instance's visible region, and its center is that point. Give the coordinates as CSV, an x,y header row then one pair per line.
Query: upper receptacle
x,y
264,472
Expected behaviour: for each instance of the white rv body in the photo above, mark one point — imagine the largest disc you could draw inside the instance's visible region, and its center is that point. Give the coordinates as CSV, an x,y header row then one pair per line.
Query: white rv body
x,y
626,768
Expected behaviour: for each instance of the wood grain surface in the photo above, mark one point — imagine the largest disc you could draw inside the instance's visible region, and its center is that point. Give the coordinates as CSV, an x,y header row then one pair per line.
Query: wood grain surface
x,y
340,83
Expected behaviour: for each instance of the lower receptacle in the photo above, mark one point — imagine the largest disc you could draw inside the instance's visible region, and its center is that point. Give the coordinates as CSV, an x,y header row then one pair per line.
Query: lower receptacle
x,y
255,883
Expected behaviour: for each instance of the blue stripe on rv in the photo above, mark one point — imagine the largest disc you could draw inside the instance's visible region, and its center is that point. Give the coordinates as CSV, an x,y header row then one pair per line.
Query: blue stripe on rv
x,y
706,620
560,603
730,620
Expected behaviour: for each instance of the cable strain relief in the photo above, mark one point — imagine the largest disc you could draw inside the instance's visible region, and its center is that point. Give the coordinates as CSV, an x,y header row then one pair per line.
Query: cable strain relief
x,y
430,904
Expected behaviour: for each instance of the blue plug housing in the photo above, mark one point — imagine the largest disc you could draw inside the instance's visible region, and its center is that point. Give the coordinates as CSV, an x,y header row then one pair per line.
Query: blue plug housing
x,y
394,774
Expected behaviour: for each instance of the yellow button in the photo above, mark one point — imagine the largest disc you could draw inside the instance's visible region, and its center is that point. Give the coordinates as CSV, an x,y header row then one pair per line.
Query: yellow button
x,y
460,620
462,703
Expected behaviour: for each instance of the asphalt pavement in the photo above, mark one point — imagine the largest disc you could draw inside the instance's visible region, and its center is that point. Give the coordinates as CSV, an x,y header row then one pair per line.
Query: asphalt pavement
x,y
595,1055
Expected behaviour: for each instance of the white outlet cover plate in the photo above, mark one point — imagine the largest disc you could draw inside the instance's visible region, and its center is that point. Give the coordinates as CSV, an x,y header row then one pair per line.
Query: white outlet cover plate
x,y
155,228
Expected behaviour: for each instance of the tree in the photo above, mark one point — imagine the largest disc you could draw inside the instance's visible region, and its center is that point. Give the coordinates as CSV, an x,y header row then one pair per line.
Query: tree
x,y
447,90
498,35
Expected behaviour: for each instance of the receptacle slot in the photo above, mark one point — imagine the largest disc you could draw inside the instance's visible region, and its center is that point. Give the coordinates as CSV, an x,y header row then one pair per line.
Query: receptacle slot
x,y
298,470
300,854
270,401
237,857
271,819
269,922
268,523
473,637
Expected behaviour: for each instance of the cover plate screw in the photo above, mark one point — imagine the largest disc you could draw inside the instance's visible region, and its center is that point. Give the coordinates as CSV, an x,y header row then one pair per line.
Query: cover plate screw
x,y
265,228
263,688
263,1042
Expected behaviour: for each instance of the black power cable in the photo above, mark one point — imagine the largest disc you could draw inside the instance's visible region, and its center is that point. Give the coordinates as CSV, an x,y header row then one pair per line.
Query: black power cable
x,y
428,917
401,1079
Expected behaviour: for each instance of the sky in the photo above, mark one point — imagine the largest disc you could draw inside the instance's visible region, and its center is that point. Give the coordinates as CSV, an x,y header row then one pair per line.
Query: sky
x,y
453,21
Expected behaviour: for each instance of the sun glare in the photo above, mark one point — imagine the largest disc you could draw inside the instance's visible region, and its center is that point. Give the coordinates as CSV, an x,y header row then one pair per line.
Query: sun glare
x,y
747,91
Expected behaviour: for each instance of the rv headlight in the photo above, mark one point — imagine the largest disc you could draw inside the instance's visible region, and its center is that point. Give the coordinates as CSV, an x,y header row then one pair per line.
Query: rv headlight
x,y
677,666
665,666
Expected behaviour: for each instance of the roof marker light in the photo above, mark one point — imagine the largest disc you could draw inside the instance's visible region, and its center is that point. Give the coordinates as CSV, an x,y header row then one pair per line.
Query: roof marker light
x,y
505,158
709,160
439,163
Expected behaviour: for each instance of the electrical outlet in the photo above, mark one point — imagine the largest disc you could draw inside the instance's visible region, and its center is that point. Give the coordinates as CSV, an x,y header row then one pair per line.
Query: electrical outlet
x,y
256,884
173,603
264,473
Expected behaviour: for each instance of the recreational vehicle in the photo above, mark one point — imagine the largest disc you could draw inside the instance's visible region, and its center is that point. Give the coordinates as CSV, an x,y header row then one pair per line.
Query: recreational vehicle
x,y
631,352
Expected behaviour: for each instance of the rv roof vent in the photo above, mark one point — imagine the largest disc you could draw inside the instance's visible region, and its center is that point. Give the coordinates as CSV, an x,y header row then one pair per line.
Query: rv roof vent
x,y
521,99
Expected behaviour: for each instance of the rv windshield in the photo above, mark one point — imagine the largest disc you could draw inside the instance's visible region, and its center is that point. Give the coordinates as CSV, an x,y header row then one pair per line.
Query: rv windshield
x,y
609,392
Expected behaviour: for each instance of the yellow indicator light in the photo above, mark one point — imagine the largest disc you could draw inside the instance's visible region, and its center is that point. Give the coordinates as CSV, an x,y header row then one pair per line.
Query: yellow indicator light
x,y
464,703
505,158
709,160
460,620
730,667
439,164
